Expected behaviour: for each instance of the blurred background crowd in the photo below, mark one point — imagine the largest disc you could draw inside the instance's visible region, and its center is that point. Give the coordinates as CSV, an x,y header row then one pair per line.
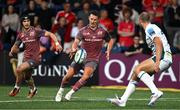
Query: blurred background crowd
x,y
66,17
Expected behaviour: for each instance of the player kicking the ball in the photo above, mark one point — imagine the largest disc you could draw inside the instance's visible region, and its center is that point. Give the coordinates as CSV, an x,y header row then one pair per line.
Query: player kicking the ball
x,y
29,36
91,37
160,61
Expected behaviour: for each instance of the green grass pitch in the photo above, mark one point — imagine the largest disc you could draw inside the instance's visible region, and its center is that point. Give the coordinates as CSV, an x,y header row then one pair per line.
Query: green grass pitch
x,y
85,98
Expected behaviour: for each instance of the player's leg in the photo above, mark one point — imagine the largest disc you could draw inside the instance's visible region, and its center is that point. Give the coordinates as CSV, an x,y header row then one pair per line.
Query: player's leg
x,y
65,80
20,75
148,66
88,71
142,73
67,77
30,82
29,79
13,62
121,101
165,63
16,62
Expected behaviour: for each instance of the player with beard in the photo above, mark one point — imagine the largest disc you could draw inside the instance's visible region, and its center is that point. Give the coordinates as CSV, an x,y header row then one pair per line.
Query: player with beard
x,y
91,38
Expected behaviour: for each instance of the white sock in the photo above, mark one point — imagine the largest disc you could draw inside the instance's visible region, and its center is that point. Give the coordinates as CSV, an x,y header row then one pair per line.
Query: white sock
x,y
16,86
61,90
33,89
146,79
129,90
71,92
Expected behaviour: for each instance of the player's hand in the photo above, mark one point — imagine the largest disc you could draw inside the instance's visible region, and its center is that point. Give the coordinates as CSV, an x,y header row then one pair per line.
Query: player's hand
x,y
156,68
11,54
58,47
72,53
107,55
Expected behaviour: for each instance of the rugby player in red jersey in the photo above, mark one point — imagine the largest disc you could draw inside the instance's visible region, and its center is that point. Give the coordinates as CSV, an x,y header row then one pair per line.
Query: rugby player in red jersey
x,y
91,37
29,36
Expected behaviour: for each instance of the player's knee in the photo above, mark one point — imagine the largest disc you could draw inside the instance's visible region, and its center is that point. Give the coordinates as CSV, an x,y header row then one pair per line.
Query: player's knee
x,y
137,70
66,78
85,77
69,74
134,77
18,70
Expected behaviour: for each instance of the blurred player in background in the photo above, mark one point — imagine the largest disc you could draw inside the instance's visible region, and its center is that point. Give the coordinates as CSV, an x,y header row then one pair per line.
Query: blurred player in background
x,y
30,37
91,37
159,62
15,62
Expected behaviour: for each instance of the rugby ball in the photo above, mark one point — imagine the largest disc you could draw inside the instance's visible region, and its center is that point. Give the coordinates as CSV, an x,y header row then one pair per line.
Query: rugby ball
x,y
80,56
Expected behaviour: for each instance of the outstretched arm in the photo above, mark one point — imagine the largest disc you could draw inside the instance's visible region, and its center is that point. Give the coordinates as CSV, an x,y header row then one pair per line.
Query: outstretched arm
x,y
14,50
110,46
75,44
58,47
74,47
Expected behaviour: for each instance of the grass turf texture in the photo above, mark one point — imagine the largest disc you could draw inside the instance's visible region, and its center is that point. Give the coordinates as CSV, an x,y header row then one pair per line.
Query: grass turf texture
x,y
85,98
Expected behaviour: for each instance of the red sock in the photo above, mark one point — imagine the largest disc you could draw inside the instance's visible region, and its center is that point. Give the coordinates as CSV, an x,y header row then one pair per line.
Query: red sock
x,y
78,84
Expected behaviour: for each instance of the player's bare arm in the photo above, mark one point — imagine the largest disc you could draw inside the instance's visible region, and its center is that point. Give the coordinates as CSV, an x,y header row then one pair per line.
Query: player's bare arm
x,y
14,50
75,44
110,45
158,45
74,47
57,45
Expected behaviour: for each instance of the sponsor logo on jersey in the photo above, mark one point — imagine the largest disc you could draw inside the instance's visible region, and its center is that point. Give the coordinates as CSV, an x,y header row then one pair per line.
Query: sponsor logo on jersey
x,y
86,33
151,32
100,33
32,33
31,40
93,40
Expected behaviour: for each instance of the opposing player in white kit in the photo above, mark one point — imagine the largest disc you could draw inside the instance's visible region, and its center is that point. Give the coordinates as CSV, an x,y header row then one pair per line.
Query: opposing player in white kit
x,y
160,61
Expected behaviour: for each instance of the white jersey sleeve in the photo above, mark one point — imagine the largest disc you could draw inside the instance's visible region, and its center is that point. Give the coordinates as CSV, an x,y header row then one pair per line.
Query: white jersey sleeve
x,y
153,31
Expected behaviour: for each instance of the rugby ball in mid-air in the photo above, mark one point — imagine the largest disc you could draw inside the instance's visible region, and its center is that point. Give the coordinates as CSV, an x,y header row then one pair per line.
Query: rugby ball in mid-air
x,y
80,56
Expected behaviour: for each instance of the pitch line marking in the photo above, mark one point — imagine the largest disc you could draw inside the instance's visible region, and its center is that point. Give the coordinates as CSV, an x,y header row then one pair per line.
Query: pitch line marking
x,y
109,97
91,99
11,101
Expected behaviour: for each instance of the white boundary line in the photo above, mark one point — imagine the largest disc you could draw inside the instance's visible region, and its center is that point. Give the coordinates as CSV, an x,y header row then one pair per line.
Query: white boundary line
x,y
11,101
90,99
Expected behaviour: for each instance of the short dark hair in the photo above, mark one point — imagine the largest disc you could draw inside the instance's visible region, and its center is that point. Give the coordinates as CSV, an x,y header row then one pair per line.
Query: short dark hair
x,y
145,17
94,12
24,17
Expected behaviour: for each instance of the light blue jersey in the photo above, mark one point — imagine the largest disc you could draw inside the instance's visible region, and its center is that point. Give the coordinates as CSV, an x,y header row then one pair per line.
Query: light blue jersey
x,y
153,31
